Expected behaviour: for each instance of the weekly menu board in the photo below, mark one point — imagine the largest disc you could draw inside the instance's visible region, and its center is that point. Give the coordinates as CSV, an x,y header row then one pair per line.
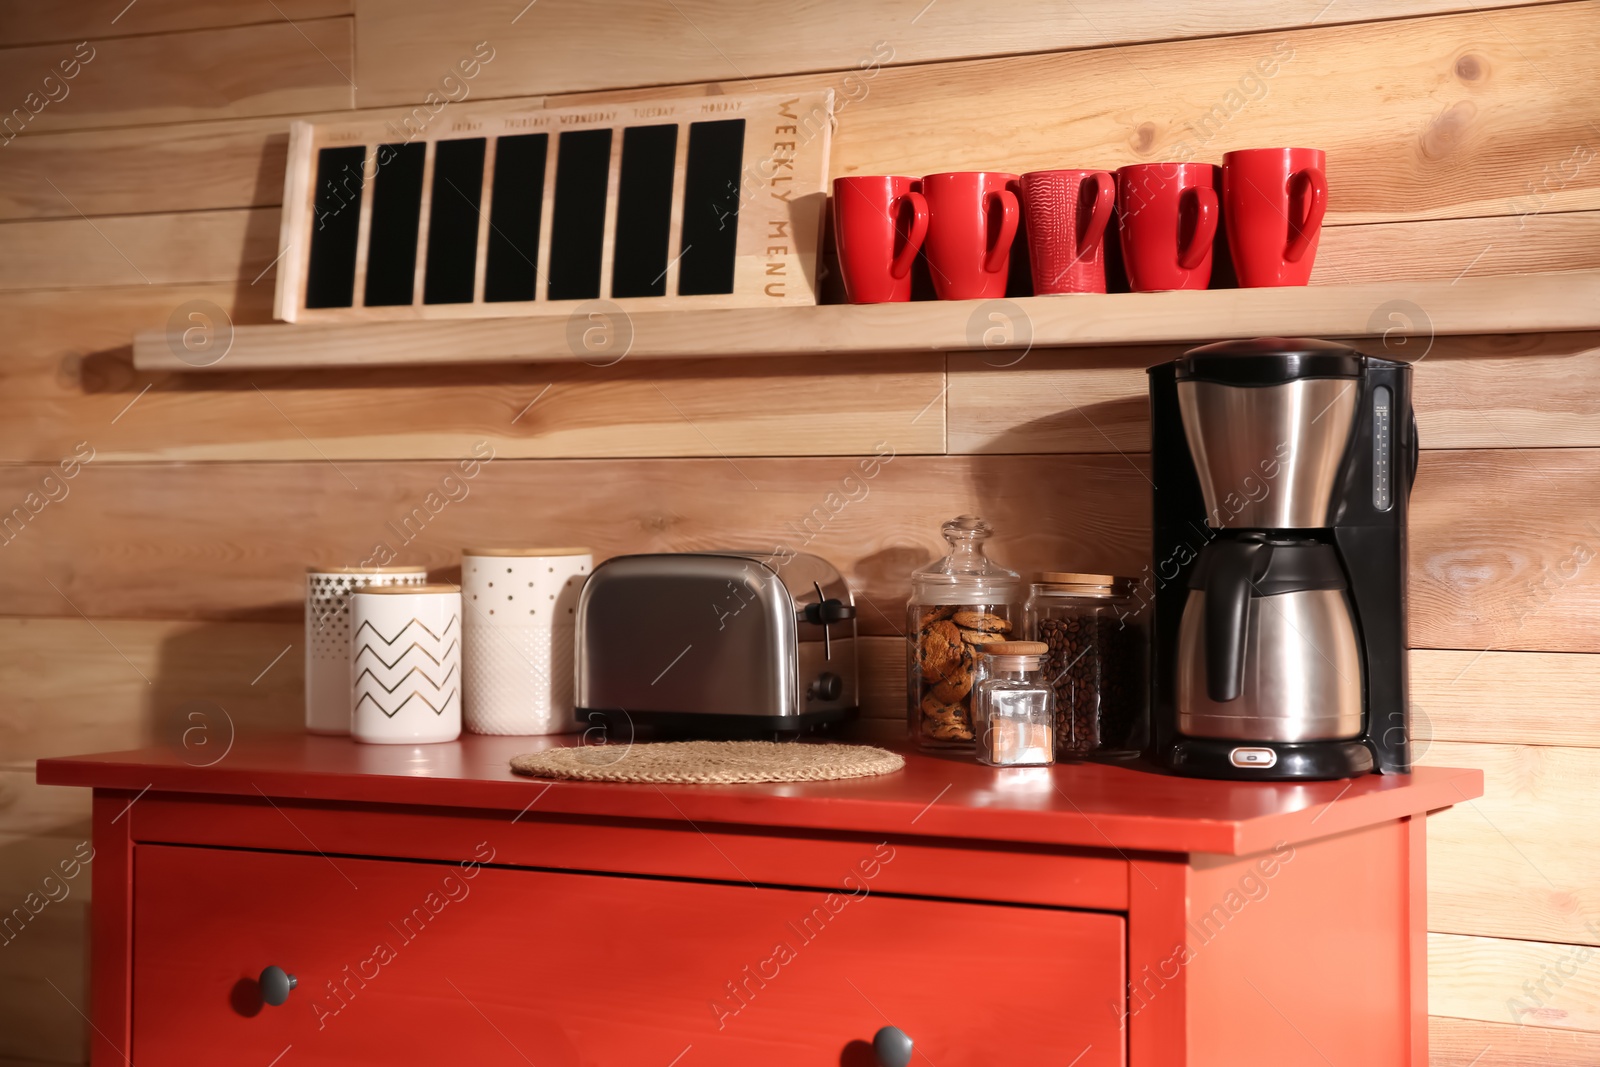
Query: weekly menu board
x,y
715,201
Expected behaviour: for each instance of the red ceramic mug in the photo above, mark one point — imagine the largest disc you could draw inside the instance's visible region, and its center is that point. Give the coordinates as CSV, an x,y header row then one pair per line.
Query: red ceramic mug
x,y
1067,212
879,223
972,222
1274,200
1168,214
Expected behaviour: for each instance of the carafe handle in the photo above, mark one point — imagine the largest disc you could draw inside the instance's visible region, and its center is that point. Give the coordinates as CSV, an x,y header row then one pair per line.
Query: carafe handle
x,y
1228,581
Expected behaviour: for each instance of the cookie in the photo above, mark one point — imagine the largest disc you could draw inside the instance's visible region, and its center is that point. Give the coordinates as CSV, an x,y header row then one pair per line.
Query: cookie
x,y
981,637
954,686
933,615
981,620
939,649
945,721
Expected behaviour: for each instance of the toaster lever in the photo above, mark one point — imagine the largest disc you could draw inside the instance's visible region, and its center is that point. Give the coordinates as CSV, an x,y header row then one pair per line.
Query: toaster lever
x,y
826,611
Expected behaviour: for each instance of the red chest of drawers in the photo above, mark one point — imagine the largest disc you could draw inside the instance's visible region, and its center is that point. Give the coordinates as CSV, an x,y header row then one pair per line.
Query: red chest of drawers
x,y
435,908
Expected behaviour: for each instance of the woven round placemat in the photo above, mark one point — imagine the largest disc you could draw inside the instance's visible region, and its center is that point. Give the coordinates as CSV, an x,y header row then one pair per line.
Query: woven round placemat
x,y
709,762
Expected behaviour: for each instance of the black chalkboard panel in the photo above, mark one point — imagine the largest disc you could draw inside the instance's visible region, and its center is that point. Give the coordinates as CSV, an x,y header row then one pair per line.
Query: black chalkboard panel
x,y
644,211
711,207
453,221
335,226
577,226
396,218
511,268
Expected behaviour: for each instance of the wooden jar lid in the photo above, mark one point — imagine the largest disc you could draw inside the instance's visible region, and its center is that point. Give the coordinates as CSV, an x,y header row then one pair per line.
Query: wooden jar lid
x,y
1014,648
578,551
366,570
407,590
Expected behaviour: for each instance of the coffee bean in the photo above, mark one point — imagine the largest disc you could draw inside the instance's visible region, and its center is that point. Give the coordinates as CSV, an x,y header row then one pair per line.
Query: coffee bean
x,y
1095,667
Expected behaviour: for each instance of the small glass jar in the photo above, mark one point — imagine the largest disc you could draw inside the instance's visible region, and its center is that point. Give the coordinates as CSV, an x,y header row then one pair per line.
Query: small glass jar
x,y
1013,711
958,603
1097,636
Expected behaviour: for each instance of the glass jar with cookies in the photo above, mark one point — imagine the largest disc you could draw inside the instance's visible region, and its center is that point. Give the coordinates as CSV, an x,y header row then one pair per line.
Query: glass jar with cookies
x,y
958,604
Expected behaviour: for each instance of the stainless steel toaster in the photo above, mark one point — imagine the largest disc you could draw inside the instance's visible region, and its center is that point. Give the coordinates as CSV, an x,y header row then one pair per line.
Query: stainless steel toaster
x,y
715,643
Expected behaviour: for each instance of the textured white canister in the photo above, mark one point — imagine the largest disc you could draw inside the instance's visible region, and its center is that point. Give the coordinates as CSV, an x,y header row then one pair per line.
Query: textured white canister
x,y
517,650
328,592
405,664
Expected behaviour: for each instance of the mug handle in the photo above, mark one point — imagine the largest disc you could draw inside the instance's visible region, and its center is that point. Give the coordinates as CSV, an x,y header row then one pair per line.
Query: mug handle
x,y
1105,195
1307,231
919,230
1010,213
1205,228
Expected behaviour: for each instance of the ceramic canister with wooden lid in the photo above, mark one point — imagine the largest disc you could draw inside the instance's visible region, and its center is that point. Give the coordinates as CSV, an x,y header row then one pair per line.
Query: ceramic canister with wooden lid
x,y
405,664
328,592
520,621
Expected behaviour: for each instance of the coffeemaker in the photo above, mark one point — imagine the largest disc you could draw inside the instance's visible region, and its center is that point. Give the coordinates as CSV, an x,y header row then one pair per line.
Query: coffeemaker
x,y
1282,469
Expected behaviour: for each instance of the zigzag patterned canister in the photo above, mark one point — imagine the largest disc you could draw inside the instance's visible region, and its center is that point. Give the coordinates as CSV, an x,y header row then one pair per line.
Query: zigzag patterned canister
x,y
405,664
328,592
517,650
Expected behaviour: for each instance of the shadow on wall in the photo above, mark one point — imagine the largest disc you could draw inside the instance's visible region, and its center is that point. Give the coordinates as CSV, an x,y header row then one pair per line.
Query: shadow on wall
x,y
216,681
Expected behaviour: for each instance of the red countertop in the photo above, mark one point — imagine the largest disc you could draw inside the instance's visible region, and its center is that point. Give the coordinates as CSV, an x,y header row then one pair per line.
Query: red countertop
x,y
1085,805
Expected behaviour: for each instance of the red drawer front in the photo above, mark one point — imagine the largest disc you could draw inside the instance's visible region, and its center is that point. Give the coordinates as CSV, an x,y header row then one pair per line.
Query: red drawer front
x,y
421,963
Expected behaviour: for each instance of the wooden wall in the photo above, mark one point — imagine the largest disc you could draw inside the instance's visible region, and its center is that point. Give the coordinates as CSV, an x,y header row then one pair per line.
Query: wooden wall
x,y
163,578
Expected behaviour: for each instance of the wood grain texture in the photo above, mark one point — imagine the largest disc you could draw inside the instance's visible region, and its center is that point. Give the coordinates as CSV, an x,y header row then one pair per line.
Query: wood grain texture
x,y
1467,248
1529,698
699,39
26,22
80,253
1006,330
1484,978
188,166
68,376
36,1021
1472,1043
221,540
1485,391
29,808
138,683
1489,527
1530,830
268,69
1458,115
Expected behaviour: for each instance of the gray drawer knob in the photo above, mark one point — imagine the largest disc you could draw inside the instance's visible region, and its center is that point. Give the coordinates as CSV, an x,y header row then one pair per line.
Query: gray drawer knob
x,y
275,985
892,1047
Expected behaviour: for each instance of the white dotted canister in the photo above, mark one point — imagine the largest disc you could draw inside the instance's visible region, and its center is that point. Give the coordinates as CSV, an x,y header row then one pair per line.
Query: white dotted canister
x,y
328,592
517,651
405,664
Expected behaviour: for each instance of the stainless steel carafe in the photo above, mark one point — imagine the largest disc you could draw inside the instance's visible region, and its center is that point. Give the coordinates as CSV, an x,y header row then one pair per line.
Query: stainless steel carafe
x,y
1267,648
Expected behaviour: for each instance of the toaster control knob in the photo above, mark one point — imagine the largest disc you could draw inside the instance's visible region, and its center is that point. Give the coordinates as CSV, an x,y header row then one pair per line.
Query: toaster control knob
x,y
829,611
829,686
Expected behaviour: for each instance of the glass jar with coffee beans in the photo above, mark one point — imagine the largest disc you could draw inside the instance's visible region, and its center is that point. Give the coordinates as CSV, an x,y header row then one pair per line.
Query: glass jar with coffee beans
x,y
958,603
1098,638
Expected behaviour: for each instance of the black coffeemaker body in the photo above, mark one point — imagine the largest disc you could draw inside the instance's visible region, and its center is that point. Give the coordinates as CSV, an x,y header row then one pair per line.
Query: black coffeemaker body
x,y
1282,471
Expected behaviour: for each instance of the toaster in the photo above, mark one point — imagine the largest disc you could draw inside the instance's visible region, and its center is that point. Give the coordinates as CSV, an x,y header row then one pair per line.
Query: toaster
x,y
716,643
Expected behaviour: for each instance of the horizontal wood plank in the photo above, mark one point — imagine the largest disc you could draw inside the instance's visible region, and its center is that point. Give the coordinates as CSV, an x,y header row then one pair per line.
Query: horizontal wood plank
x,y
197,247
29,808
27,22
225,540
272,68
188,166
694,40
1486,391
68,378
1483,978
1472,1043
1530,698
1481,576
1463,115
36,1021
1530,829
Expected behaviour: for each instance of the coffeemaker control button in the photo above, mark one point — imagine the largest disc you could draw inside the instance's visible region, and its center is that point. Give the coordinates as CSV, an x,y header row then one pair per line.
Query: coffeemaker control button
x,y
1253,757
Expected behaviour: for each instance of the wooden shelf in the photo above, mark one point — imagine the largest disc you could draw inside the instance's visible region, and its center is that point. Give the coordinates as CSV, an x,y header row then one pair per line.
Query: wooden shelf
x,y
1526,303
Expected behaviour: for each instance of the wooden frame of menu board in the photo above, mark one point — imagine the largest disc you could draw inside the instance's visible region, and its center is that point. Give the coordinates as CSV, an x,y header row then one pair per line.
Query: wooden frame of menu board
x,y
707,202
